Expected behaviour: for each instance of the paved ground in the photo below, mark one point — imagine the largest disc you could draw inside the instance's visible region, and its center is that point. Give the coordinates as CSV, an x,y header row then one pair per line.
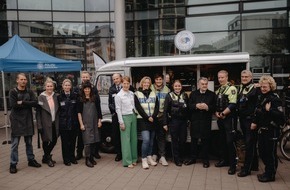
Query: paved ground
x,y
108,174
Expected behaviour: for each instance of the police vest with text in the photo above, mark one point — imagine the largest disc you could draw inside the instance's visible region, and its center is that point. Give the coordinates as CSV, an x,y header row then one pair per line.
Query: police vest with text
x,y
148,104
178,105
243,101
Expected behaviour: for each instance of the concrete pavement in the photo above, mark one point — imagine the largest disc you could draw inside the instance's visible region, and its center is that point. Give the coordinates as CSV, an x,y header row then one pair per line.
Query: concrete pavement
x,y
108,174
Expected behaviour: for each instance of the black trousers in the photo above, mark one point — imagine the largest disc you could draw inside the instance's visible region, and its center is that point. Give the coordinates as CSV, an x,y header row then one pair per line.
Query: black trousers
x,y
68,142
116,134
80,143
227,148
178,131
267,146
250,138
49,145
204,147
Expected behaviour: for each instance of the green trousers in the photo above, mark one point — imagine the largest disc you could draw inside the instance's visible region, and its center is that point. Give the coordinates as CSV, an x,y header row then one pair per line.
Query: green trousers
x,y
129,140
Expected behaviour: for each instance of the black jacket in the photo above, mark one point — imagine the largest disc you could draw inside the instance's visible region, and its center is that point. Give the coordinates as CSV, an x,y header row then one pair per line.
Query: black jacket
x,y
68,116
21,117
201,119
175,109
269,119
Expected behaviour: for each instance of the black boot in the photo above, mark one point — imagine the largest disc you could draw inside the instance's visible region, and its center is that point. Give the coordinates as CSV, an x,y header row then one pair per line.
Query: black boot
x,y
13,168
49,161
88,162
92,160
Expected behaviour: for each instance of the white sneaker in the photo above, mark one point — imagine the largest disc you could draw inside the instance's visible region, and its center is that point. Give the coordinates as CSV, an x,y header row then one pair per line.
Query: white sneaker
x,y
154,157
145,163
151,161
163,161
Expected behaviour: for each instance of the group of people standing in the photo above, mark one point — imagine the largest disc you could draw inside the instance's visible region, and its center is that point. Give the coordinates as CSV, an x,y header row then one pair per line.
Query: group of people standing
x,y
74,112
153,110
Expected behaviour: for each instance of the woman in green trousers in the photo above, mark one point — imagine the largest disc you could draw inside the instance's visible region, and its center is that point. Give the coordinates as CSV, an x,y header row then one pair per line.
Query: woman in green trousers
x,y
125,106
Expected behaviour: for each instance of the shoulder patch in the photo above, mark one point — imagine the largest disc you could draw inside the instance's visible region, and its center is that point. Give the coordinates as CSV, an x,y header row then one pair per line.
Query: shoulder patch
x,y
233,92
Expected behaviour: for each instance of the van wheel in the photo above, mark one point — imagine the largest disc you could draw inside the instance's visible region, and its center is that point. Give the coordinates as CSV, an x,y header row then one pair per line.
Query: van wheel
x,y
106,138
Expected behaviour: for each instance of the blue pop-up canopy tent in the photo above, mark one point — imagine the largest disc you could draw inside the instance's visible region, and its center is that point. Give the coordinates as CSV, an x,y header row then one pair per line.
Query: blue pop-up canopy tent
x,y
16,55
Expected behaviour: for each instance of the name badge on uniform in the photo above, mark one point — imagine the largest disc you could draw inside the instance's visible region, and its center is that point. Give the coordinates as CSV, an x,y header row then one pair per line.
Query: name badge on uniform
x,y
40,103
62,103
181,101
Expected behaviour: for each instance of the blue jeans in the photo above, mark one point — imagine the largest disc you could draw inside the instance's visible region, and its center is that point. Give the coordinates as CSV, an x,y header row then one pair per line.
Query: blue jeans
x,y
14,149
147,142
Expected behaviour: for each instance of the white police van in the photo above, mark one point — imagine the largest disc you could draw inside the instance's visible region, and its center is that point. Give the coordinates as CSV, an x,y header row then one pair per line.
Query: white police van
x,y
187,68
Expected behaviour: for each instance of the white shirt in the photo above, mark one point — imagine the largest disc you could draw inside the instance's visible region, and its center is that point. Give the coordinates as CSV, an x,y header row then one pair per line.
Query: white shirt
x,y
124,102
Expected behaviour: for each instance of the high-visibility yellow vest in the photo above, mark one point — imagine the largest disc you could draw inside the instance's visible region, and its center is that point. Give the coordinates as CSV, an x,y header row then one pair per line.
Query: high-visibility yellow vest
x,y
148,104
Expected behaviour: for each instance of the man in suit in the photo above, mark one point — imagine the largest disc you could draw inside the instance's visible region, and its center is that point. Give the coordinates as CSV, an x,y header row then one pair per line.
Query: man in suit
x,y
113,91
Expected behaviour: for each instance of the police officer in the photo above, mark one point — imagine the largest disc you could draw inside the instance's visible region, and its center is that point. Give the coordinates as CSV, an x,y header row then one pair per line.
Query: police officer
x,y
175,118
247,99
225,112
268,117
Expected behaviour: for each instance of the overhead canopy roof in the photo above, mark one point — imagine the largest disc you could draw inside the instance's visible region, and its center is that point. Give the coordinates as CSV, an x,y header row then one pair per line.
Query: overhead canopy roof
x,y
16,55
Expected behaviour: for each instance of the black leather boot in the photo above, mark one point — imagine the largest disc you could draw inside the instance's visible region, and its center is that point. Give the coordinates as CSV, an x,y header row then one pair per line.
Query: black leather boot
x,y
88,162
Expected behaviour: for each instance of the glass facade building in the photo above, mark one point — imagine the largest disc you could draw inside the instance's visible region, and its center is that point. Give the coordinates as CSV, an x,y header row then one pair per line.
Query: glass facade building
x,y
74,29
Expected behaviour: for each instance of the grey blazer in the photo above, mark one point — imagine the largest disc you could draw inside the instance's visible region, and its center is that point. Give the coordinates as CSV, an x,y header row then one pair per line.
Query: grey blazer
x,y
43,117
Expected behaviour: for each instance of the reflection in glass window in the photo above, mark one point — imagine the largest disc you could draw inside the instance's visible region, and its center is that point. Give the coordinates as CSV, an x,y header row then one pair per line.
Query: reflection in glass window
x,y
68,29
34,4
93,5
195,2
69,48
213,23
99,30
104,82
265,41
34,15
35,29
213,9
11,4
265,5
68,5
217,42
264,20
65,16
98,17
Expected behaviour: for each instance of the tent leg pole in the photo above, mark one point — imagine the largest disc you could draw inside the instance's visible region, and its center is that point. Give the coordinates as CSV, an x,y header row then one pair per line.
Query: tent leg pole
x,y
7,141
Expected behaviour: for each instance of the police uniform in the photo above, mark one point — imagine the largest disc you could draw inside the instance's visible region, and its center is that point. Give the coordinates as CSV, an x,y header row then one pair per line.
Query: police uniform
x,y
247,100
227,98
268,123
175,116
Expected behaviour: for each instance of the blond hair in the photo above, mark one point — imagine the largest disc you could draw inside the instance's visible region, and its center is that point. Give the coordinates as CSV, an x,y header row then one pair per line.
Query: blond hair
x,y
49,80
270,80
143,80
66,80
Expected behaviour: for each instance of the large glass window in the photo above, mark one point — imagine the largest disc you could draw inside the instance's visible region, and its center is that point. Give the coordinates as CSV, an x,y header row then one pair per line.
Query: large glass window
x,y
68,29
34,4
195,2
11,4
35,29
65,16
98,17
99,29
265,4
275,19
70,48
11,15
34,15
270,41
213,23
217,42
213,9
93,5
68,5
